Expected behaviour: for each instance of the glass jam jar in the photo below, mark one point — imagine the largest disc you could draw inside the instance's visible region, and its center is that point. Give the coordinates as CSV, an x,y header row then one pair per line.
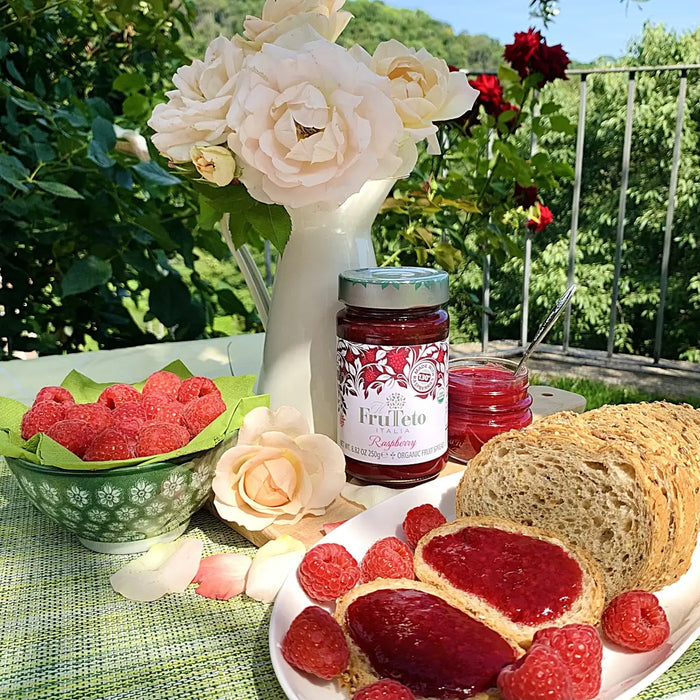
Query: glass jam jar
x,y
392,358
486,397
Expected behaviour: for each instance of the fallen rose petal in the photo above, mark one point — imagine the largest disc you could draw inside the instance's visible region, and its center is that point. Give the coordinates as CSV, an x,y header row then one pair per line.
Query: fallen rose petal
x,y
271,565
329,527
164,568
222,576
366,496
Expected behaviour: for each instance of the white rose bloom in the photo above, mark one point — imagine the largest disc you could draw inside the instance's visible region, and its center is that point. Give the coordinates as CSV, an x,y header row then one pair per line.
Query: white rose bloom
x,y
280,17
196,110
422,86
313,125
276,474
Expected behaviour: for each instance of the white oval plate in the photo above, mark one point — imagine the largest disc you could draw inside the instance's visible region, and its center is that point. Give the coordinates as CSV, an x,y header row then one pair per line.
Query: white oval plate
x,y
624,675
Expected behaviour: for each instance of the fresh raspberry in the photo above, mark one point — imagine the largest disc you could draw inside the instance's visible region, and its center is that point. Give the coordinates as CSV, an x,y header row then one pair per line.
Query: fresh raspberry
x,y
159,438
385,689
159,407
539,675
130,430
421,520
194,387
327,571
315,643
581,650
54,393
198,413
635,621
165,382
108,445
129,411
75,435
40,417
97,414
387,558
115,395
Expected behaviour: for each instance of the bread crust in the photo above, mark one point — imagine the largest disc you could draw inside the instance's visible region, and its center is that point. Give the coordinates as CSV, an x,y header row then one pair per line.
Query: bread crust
x,y
622,482
587,608
360,672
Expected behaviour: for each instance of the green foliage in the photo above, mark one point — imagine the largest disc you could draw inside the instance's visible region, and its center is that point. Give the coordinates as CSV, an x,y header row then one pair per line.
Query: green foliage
x,y
374,22
90,234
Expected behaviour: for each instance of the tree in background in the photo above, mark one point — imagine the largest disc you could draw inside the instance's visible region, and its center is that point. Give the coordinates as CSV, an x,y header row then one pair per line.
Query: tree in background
x,y
90,229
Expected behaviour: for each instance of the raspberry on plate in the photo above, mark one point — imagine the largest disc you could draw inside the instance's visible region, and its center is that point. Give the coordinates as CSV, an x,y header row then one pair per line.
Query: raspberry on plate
x,y
635,621
129,411
97,414
199,412
110,444
421,520
54,393
75,435
385,689
194,387
315,643
164,382
115,395
158,438
327,571
40,417
162,408
387,558
581,649
539,675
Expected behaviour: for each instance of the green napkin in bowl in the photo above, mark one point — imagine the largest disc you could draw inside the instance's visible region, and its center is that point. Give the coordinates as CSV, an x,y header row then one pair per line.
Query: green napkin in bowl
x,y
237,393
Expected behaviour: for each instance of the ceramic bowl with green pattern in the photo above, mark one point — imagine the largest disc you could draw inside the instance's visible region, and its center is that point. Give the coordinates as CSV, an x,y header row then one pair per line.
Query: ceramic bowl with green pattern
x,y
125,509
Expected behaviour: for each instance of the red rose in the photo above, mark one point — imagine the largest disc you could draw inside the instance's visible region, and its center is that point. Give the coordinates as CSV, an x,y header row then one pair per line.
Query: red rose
x,y
551,62
521,51
541,220
530,54
525,196
491,96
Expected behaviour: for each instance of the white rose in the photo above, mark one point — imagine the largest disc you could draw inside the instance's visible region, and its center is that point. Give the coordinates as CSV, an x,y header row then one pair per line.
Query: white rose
x,y
130,141
280,17
313,125
422,86
196,110
276,473
214,163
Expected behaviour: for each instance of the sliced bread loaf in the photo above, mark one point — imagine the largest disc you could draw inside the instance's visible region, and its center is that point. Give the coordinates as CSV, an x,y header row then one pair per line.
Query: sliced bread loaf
x,y
621,482
419,635
516,578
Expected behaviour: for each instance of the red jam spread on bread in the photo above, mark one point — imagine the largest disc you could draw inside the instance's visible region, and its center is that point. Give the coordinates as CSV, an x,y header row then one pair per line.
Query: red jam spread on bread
x,y
423,642
530,581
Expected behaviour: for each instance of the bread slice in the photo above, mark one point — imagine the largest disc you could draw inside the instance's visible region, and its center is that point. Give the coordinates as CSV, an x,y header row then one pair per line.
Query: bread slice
x,y
527,578
418,638
621,482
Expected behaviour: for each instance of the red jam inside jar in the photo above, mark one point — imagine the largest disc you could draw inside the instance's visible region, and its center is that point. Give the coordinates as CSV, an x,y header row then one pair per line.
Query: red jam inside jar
x,y
392,357
529,580
423,642
486,398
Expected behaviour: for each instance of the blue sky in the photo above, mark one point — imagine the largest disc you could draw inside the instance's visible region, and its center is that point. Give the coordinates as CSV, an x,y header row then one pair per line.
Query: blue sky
x,y
586,28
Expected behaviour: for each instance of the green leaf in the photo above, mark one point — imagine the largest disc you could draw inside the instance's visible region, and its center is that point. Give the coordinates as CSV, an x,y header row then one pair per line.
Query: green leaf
x,y
170,301
230,303
98,155
549,108
103,133
85,274
136,107
13,171
561,124
129,83
59,189
152,172
508,75
272,223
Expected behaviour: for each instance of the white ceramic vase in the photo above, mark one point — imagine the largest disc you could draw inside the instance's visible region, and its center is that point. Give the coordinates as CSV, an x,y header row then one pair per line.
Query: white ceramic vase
x,y
299,367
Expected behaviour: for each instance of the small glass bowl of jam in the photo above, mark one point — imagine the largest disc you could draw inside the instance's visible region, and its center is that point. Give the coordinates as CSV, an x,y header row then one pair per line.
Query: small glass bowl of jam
x,y
485,397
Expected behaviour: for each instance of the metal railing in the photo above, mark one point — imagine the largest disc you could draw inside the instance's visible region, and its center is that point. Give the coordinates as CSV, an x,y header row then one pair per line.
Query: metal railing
x,y
576,203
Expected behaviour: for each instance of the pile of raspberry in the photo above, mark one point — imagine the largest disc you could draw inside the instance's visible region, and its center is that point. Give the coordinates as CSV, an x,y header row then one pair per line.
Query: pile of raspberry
x,y
563,663
125,422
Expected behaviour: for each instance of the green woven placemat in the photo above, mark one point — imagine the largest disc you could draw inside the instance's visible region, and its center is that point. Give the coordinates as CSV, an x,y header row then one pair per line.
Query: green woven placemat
x,y
68,636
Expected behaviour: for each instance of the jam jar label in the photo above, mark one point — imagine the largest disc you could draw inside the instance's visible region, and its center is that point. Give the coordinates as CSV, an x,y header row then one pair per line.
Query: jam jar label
x,y
392,401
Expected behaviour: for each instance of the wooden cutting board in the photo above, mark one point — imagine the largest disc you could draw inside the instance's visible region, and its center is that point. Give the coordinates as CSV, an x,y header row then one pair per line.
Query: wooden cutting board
x,y
309,530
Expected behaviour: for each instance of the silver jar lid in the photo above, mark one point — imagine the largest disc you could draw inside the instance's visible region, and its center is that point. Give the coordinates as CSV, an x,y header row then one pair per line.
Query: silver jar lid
x,y
393,287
